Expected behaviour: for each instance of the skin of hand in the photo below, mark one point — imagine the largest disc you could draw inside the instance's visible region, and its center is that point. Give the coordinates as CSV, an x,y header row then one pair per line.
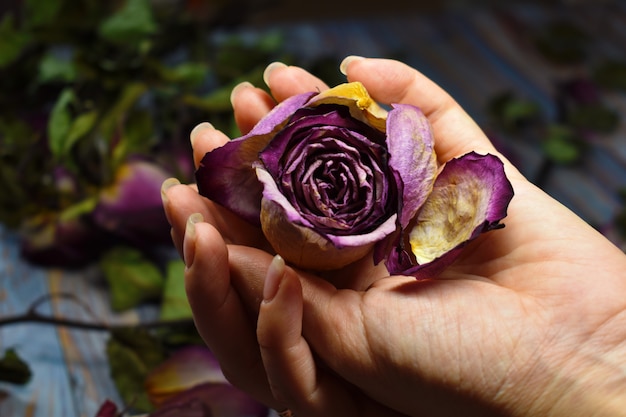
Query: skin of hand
x,y
529,321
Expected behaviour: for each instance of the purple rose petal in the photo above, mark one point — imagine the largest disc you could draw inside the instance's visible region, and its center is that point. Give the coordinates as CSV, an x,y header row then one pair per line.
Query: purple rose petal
x,y
470,197
412,156
226,176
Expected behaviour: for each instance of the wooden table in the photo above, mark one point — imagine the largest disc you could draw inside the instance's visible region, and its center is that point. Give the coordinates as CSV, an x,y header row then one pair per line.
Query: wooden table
x,y
70,372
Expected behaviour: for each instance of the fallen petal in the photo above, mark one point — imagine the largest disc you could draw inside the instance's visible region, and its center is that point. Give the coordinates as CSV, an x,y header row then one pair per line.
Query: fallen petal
x,y
50,240
131,207
221,400
107,409
186,368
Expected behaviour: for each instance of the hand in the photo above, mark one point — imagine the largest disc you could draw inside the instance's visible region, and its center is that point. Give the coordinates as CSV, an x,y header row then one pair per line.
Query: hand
x,y
529,321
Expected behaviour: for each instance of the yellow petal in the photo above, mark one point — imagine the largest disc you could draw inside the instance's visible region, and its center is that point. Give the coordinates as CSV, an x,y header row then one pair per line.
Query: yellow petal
x,y
448,218
354,96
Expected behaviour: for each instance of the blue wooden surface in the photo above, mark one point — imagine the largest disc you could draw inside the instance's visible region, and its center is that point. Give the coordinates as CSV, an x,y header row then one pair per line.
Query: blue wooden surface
x,y
70,372
473,56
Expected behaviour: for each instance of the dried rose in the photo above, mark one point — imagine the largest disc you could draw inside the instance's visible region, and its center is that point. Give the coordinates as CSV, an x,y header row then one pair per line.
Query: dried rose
x,y
131,207
191,383
337,175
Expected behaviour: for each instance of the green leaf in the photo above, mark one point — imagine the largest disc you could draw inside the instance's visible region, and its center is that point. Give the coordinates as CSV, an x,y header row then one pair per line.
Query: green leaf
x,y
190,74
132,354
42,12
175,304
131,277
511,112
137,138
612,75
79,209
271,42
79,127
13,369
60,123
126,100
595,117
54,69
216,101
131,24
563,43
12,41
562,145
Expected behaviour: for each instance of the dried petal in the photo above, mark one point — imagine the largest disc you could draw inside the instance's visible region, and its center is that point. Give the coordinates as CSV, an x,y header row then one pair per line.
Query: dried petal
x,y
470,196
214,400
186,368
357,99
131,207
226,175
412,155
297,242
107,409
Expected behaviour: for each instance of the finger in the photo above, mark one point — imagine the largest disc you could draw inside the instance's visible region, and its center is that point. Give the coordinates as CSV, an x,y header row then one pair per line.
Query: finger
x,y
180,201
390,81
286,81
204,138
250,105
294,377
286,355
221,318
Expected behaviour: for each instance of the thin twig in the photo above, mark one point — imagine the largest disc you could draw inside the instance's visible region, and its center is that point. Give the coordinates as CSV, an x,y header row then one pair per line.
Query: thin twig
x,y
33,316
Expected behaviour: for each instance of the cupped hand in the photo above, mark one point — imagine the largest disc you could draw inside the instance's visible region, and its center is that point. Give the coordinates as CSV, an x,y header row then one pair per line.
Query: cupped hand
x,y
527,320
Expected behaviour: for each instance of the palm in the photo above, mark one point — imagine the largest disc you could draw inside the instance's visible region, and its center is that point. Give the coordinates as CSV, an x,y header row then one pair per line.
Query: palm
x,y
490,312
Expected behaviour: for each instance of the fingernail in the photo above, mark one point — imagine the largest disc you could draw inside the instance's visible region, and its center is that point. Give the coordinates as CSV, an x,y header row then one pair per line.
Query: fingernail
x,y
237,89
196,131
189,243
343,67
270,68
167,184
274,276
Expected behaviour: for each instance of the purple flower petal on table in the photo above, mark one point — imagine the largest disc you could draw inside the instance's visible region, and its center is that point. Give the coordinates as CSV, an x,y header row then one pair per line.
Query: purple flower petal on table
x,y
192,408
107,409
218,400
470,197
131,207
184,369
226,175
52,241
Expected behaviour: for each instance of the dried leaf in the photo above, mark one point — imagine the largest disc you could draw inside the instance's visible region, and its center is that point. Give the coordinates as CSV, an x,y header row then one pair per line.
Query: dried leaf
x,y
60,123
12,41
175,304
13,369
132,354
131,277
130,24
